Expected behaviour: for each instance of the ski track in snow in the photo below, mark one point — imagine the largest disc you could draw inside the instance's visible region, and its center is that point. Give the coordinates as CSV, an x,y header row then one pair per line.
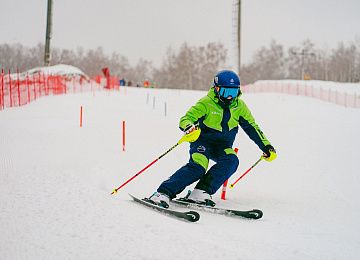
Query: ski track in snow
x,y
56,179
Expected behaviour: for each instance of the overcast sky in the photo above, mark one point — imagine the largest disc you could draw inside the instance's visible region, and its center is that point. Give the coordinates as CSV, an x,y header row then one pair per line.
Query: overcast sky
x,y
146,28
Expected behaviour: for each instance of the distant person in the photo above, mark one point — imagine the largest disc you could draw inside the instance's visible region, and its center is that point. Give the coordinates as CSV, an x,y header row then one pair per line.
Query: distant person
x,y
146,84
129,83
211,126
122,82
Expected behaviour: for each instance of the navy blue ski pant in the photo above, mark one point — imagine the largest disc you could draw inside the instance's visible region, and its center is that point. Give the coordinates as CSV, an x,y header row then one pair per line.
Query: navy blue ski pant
x,y
226,163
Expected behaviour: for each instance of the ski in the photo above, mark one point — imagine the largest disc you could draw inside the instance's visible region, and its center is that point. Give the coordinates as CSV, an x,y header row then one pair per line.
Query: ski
x,y
191,216
249,214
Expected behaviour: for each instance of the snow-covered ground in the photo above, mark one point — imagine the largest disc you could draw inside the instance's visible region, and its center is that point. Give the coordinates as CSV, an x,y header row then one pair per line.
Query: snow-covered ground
x,y
56,179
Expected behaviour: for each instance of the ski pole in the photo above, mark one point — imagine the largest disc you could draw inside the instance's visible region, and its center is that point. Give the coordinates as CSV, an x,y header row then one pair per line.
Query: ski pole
x,y
183,139
246,172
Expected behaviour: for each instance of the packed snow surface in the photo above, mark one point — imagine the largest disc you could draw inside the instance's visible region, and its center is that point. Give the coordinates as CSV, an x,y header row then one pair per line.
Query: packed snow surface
x,y
56,179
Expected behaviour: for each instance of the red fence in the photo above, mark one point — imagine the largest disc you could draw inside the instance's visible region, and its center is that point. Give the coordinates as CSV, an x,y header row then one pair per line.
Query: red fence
x,y
339,97
19,89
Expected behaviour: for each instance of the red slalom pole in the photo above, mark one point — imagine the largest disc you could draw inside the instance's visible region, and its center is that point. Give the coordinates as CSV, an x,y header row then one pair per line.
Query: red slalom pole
x,y
223,192
246,172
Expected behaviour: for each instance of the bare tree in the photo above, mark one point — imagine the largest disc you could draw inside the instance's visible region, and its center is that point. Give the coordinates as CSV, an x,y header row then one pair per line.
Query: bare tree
x,y
191,67
142,71
268,63
343,63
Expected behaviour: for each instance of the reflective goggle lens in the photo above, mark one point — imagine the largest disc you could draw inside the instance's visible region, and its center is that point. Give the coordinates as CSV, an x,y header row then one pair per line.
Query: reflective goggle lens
x,y
227,92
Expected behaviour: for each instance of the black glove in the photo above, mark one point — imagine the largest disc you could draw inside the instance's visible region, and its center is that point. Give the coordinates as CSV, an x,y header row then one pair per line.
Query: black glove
x,y
269,153
189,128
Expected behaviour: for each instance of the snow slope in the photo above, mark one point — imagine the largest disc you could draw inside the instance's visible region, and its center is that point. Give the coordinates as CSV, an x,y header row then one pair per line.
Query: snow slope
x,y
56,179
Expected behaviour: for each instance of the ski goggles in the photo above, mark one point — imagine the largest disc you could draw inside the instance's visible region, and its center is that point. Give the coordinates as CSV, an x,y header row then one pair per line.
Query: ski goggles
x,y
229,92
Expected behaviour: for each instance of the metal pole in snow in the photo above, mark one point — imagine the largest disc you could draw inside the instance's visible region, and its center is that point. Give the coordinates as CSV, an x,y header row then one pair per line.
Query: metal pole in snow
x,y
48,33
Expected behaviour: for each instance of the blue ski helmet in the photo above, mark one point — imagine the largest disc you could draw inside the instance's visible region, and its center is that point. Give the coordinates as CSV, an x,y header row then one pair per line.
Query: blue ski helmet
x,y
227,86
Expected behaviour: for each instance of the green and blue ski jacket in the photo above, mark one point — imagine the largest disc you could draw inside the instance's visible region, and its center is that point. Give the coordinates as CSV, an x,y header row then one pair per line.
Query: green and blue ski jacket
x,y
219,124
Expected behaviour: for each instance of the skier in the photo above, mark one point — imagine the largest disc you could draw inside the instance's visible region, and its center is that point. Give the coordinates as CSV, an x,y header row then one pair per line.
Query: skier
x,y
211,126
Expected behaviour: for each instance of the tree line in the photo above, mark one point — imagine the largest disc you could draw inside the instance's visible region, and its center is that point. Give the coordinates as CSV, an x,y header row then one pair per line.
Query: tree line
x,y
341,64
192,67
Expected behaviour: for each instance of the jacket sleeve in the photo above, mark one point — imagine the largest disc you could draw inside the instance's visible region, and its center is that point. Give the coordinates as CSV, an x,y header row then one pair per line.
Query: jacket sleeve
x,y
248,124
193,115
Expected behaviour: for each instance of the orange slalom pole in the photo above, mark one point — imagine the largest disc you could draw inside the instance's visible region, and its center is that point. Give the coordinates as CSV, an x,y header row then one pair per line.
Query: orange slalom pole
x,y
81,115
